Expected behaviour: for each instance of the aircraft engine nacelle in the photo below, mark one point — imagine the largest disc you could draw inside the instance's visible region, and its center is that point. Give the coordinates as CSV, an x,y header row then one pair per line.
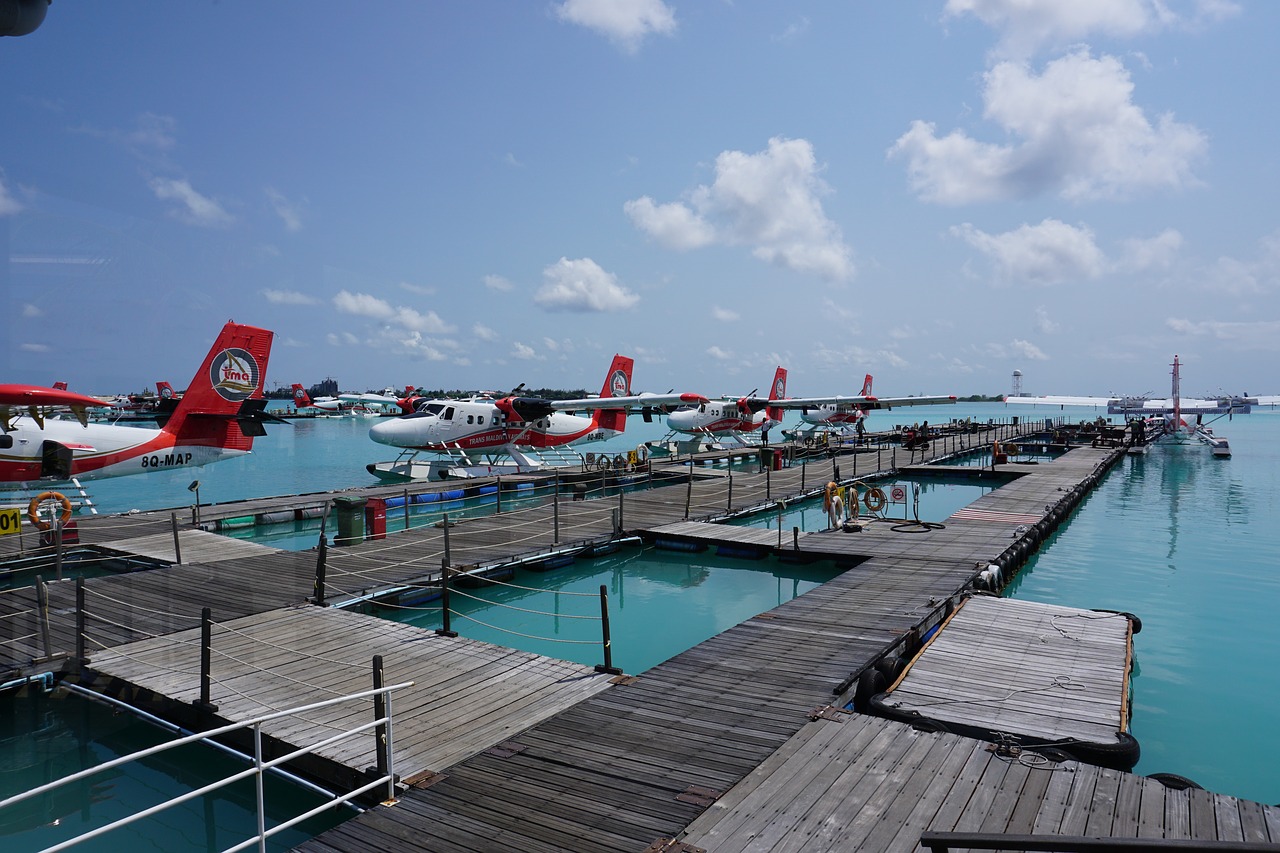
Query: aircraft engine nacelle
x,y
525,408
751,405
21,17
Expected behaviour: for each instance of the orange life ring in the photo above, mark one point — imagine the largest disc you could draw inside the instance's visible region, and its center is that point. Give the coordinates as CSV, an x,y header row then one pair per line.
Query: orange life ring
x,y
33,509
874,500
827,495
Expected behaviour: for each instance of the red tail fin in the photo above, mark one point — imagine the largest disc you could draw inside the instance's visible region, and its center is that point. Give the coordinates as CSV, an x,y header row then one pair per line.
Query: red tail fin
x,y
301,399
617,383
778,391
60,386
165,391
866,386
232,373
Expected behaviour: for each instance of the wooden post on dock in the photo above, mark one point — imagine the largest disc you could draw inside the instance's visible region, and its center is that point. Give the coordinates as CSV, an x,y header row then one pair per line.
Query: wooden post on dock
x,y
555,511
317,589
803,464
80,617
795,538
688,492
728,504
380,718
206,661
406,508
767,482
445,630
177,546
621,518
604,630
42,603
498,494
448,558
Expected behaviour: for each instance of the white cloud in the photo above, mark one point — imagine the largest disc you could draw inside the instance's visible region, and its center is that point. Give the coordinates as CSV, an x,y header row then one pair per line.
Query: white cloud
x,y
581,285
483,332
1026,26
724,315
1077,134
288,211
497,282
523,351
418,289
1044,323
288,297
194,208
1047,253
768,201
1026,349
338,339
8,204
29,311
1158,252
1252,335
624,22
35,348
719,354
409,319
793,31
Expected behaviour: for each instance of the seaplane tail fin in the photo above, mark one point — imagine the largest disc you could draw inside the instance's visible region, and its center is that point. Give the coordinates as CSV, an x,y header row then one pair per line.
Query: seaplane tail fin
x,y
777,391
617,383
301,399
223,405
866,386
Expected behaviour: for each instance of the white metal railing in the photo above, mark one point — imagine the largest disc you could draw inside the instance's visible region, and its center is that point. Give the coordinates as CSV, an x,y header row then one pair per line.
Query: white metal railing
x,y
258,770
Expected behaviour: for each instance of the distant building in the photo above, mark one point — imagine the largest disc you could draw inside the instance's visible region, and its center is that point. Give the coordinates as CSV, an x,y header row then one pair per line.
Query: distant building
x,y
1017,384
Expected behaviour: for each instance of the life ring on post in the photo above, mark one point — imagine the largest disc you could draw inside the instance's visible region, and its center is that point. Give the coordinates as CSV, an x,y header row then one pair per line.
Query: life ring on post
x,y
1011,449
33,509
827,495
874,500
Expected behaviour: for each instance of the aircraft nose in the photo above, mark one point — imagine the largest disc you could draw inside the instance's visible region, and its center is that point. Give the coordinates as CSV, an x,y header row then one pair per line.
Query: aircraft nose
x,y
680,420
397,432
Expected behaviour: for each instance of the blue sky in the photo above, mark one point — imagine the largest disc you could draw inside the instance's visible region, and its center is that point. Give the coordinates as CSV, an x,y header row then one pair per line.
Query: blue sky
x,y
479,194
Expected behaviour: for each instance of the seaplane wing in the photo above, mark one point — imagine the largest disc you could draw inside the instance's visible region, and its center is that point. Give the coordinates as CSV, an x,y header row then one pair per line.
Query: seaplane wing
x,y
369,397
642,400
862,401
1060,400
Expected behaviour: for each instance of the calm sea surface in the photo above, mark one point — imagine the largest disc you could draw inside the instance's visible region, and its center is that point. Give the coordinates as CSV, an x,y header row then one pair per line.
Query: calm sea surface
x,y
1183,540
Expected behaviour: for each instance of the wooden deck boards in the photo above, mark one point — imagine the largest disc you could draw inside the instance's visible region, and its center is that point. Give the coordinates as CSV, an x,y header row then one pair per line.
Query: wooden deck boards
x,y
1023,668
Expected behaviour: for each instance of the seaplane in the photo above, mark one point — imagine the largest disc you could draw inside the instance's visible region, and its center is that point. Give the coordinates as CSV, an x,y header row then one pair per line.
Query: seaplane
x,y
46,436
1161,419
738,419
529,432
302,401
847,412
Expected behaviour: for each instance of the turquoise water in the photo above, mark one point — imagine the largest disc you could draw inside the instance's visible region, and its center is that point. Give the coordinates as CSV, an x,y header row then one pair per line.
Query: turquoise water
x,y
1186,543
48,737
660,604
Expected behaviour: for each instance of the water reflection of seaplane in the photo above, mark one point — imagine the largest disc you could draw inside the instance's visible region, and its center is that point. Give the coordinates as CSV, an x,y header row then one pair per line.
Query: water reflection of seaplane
x,y
1163,419
521,428
218,417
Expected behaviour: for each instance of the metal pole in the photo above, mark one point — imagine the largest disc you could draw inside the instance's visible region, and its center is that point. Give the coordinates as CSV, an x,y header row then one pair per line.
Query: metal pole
x,y
728,504
80,651
206,660
604,630
379,715
498,494
767,483
688,492
177,546
555,510
42,602
621,515
803,465
406,508
57,543
448,559
445,630
795,538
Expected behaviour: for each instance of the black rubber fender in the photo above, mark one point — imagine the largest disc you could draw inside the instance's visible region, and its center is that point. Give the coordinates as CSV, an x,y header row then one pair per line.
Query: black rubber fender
x,y
870,683
1057,756
1174,781
890,666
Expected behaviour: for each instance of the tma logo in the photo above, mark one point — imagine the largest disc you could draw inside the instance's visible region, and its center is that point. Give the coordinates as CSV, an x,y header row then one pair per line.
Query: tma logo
x,y
618,384
234,374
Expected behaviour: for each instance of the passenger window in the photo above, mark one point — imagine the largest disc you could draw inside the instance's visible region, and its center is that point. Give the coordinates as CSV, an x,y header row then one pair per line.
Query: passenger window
x,y
471,419
480,419
6,441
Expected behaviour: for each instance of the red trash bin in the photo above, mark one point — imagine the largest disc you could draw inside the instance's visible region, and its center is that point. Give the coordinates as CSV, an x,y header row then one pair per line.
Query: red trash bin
x,y
375,519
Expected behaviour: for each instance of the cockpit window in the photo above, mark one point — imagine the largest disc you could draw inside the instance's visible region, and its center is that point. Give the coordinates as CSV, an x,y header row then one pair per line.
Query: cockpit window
x,y
432,408
448,414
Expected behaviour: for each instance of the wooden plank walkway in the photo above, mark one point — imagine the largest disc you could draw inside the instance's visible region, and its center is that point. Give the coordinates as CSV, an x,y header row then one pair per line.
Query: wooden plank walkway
x,y
467,696
1036,671
197,546
857,783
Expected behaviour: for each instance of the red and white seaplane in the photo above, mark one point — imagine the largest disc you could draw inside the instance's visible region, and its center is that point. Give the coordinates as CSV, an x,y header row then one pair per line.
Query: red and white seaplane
x,y
522,429
738,419
842,413
217,418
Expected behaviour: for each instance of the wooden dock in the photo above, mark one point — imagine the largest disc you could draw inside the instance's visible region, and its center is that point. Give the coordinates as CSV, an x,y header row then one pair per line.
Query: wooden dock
x,y
1025,673
685,750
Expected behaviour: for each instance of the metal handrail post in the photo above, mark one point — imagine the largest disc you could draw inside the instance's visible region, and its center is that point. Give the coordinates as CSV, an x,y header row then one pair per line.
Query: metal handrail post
x,y
444,630
177,544
555,511
206,661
